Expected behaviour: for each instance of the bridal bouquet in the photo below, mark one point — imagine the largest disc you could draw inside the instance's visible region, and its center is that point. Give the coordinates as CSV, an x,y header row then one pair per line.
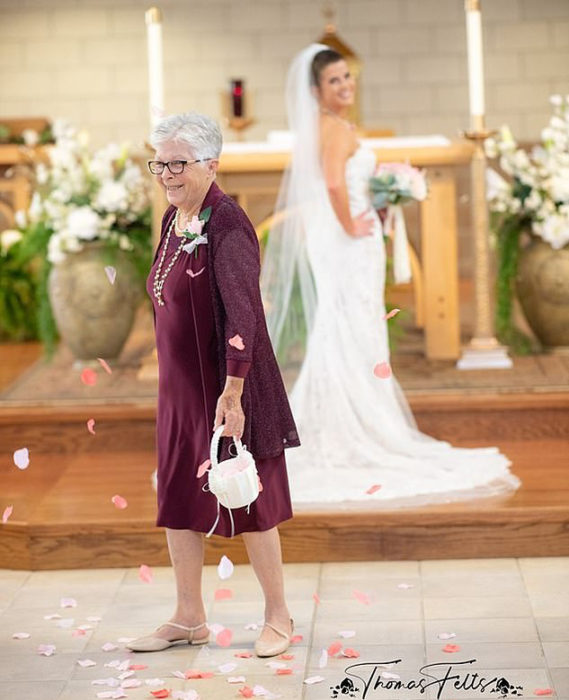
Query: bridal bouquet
x,y
392,186
397,183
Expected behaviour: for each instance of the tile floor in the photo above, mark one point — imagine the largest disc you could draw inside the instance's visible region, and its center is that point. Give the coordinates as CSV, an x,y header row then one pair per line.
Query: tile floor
x,y
509,617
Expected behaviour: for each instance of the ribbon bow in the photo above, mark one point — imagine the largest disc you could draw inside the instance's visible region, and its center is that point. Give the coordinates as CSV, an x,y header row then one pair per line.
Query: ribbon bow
x,y
196,239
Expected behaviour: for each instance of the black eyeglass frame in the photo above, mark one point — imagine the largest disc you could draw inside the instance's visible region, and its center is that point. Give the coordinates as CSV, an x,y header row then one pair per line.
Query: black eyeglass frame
x,y
150,163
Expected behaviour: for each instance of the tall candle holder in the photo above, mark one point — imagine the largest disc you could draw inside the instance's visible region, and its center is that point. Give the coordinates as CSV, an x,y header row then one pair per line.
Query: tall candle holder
x,y
484,351
236,108
153,17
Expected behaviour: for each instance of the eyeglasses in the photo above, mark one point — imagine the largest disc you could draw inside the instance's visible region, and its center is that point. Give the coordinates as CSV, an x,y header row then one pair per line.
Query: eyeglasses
x,y
176,167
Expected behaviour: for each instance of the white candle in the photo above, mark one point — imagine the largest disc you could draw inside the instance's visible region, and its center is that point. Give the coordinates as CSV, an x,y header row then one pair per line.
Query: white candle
x,y
155,64
475,63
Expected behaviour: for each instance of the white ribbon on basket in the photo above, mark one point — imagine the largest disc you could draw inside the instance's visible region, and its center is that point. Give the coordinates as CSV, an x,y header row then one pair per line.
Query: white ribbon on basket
x,y
401,263
217,478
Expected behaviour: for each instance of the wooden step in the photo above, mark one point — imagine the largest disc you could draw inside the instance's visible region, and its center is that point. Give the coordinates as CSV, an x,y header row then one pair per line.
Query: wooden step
x,y
61,426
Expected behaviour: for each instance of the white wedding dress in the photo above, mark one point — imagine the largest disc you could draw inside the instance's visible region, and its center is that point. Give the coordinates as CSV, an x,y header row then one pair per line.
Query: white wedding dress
x,y
356,430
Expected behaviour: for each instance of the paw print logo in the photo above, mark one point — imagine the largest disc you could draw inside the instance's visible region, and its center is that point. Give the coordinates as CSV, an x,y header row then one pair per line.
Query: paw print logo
x,y
346,687
505,688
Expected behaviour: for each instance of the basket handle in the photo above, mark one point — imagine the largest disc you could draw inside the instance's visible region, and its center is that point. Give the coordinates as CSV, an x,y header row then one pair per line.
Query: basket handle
x,y
214,449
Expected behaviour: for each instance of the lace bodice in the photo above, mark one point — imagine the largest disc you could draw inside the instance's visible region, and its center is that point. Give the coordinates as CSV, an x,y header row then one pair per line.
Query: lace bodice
x,y
359,168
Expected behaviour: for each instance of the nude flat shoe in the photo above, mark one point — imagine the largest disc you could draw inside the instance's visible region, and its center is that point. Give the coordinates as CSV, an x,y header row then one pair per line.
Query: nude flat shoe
x,y
274,648
151,643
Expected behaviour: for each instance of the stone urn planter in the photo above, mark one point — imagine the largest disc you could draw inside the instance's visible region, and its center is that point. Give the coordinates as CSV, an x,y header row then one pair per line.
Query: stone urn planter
x,y
93,316
542,285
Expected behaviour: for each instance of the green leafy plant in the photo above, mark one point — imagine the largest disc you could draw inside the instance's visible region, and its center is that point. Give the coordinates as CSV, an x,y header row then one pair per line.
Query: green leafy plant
x,y
531,202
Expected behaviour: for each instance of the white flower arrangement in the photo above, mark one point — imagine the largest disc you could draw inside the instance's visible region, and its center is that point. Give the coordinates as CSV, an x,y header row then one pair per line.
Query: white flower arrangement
x,y
83,197
537,191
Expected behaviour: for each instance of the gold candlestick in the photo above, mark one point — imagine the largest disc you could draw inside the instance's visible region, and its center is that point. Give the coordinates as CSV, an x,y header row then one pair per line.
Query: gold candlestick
x,y
484,351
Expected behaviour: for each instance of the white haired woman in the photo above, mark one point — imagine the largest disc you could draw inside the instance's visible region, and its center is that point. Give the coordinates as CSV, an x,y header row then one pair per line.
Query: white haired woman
x,y
216,366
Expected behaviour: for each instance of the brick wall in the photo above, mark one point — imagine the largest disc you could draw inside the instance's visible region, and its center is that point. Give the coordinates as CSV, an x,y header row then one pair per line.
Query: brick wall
x,y
86,60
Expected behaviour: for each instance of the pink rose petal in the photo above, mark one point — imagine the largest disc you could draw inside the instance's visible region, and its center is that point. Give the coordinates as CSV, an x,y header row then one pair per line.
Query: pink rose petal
x,y
246,691
78,633
202,469
451,648
195,674
373,489
237,342
334,648
382,370
111,273
7,513
286,657
22,458
362,597
316,598
119,502
296,638
89,377
391,314
193,274
91,426
138,667
105,365
223,594
145,574
223,639
543,691
350,653
284,671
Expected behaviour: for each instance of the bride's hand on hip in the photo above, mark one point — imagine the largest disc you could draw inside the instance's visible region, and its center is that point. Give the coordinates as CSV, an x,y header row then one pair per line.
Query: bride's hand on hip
x,y
363,225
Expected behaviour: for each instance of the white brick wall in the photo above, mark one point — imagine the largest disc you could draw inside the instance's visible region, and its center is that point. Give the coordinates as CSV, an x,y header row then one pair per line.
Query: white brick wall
x,y
87,59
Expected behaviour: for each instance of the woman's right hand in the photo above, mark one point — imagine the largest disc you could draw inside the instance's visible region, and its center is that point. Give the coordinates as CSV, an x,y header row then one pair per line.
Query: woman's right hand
x,y
362,225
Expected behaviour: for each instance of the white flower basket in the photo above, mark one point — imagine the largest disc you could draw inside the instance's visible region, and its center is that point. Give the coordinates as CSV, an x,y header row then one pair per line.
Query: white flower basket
x,y
234,482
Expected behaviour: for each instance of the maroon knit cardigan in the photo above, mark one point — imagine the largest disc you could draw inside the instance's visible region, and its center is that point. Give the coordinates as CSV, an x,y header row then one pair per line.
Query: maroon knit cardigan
x,y
234,265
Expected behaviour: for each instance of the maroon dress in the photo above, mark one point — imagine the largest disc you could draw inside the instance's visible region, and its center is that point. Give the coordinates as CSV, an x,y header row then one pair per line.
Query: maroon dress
x,y
188,390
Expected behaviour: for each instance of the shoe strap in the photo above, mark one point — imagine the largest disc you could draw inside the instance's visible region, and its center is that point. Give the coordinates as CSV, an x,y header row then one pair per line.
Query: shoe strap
x,y
183,627
280,632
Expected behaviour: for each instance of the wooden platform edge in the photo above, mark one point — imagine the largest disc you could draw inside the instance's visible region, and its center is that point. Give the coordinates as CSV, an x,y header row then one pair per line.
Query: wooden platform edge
x,y
310,536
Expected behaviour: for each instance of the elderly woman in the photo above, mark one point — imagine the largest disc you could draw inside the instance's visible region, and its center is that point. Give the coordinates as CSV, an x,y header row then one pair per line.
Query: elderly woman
x,y
216,366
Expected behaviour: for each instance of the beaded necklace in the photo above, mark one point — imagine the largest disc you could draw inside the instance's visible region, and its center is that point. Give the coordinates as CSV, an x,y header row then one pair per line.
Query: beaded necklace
x,y
159,278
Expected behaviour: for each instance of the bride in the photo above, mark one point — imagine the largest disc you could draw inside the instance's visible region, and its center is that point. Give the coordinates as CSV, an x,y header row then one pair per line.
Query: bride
x,y
357,432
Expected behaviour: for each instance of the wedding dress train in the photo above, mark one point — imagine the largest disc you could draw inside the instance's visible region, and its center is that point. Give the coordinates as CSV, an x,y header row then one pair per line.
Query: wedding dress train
x,y
356,429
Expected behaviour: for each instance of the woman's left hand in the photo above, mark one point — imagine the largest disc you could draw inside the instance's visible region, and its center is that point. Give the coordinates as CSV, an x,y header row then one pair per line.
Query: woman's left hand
x,y
230,412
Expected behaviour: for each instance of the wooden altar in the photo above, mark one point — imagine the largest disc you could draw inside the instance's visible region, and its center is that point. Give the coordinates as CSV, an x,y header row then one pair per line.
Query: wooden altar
x,y
252,173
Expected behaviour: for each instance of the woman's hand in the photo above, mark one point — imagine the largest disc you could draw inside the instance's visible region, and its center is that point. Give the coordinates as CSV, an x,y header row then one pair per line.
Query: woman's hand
x,y
229,410
363,225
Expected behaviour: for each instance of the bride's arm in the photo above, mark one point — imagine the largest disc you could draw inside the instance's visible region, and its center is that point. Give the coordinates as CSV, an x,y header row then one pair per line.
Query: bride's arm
x,y
337,146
